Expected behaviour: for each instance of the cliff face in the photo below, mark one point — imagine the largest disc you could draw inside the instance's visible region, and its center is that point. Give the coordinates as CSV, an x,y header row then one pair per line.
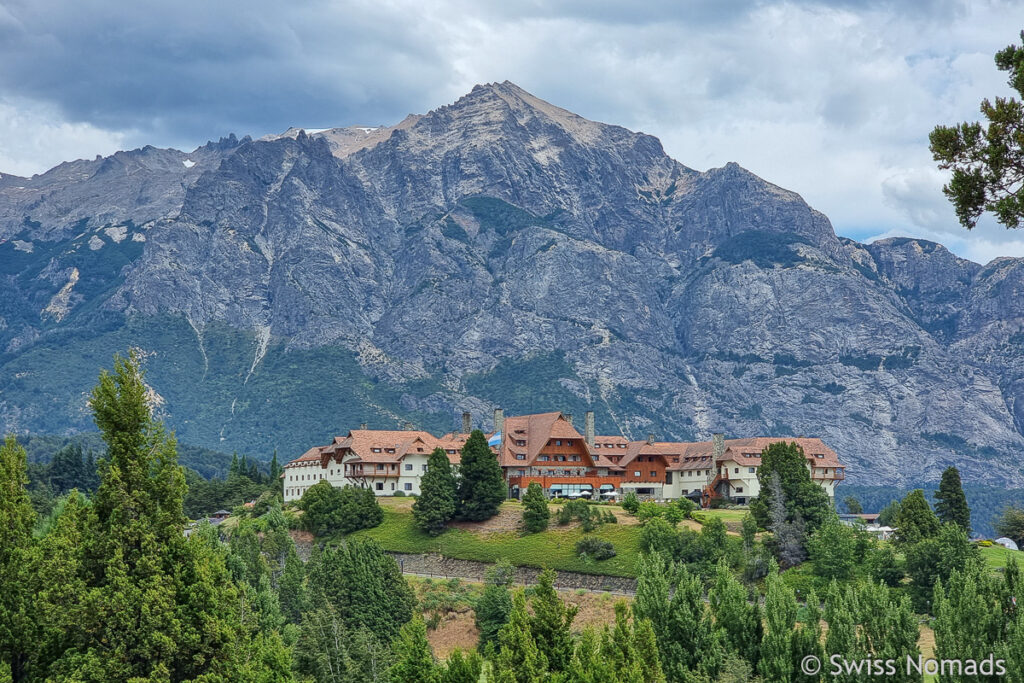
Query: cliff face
x,y
499,251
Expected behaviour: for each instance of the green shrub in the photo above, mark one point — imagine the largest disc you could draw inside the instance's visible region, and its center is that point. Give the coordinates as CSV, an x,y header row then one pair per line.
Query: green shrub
x,y
399,494
631,503
595,548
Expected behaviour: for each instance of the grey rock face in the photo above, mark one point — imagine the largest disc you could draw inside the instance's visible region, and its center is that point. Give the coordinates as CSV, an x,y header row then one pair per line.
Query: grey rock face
x,y
501,250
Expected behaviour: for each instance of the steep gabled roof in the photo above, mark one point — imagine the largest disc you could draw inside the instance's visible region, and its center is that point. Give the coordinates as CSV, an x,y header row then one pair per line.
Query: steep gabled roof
x,y
536,430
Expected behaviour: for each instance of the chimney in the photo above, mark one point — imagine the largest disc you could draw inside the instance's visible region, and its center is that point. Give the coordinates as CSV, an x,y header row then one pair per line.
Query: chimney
x,y
362,426
568,418
588,427
718,446
499,419
408,426
467,423
650,438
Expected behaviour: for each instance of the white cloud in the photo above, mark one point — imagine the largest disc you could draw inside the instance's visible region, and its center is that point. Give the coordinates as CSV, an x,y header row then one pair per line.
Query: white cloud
x,y
35,137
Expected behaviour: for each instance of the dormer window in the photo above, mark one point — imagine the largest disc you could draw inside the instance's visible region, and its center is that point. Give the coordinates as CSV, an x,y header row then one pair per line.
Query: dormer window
x,y
375,450
622,445
597,445
520,442
819,455
520,456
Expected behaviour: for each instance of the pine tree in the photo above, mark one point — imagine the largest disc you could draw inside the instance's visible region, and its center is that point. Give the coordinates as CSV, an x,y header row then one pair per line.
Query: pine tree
x,y
832,549
789,534
16,521
535,509
519,658
235,469
153,605
888,626
551,624
915,520
804,499
414,662
275,469
495,605
326,650
951,503
481,484
776,663
842,629
364,585
436,504
807,639
292,588
736,617
462,668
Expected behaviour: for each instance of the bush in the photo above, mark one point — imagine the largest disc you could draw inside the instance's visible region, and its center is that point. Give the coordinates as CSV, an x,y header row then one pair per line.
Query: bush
x,y
535,509
595,548
327,509
648,510
399,494
631,503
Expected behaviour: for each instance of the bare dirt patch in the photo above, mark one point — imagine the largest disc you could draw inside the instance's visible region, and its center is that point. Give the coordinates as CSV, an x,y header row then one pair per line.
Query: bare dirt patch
x,y
509,518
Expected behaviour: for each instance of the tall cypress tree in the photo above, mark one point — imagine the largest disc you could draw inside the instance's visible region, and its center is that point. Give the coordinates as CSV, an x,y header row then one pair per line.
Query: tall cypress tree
x,y
437,503
481,484
737,617
519,659
492,610
915,521
804,498
776,663
535,509
551,624
153,605
291,588
16,520
414,662
951,503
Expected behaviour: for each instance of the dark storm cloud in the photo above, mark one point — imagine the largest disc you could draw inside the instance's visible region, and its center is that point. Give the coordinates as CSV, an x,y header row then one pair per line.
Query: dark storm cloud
x,y
201,67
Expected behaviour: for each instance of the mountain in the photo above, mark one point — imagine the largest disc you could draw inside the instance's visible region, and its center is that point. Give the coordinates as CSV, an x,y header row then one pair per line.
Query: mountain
x,y
498,251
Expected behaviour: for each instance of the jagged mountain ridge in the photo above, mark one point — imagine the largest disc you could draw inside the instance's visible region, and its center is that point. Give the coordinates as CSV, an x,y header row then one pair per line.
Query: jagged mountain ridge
x,y
503,250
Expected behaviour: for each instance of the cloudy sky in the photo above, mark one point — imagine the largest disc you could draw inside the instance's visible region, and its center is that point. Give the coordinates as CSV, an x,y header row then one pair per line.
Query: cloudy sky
x,y
831,99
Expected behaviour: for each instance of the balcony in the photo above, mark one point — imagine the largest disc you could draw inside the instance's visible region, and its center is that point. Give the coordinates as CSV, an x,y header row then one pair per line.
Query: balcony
x,y
833,476
547,481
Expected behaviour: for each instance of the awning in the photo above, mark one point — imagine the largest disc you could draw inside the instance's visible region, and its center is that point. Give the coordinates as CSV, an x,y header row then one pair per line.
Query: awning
x,y
607,487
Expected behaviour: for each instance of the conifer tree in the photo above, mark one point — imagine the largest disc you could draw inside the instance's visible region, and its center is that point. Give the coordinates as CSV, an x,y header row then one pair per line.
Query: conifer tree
x,y
519,658
842,629
807,639
462,667
481,484
804,499
275,469
16,521
776,662
551,624
292,588
888,626
915,520
326,650
495,605
535,509
364,585
414,662
736,616
951,503
832,550
153,605
437,502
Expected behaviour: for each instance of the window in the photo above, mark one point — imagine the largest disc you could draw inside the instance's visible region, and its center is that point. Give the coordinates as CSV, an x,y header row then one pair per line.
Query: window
x,y
597,445
520,456
424,468
622,445
451,451
408,467
736,470
574,458
751,470
543,458
390,450
636,473
739,489
380,486
375,450
558,442
569,442
520,442
392,486
408,486
654,473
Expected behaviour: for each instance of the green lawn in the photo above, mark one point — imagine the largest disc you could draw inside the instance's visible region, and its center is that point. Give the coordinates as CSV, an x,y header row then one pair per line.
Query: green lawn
x,y
726,515
554,548
997,556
